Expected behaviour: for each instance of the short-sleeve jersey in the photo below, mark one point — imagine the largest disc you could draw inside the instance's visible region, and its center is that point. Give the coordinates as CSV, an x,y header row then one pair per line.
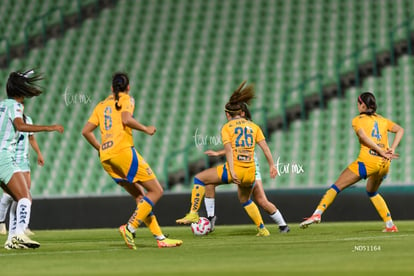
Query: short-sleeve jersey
x,y
243,136
10,109
115,135
376,128
22,147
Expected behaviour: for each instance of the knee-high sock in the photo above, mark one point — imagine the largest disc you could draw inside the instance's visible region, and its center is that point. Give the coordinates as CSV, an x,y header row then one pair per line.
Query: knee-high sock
x,y
327,199
143,209
152,224
380,205
210,206
23,215
12,220
197,195
5,202
253,212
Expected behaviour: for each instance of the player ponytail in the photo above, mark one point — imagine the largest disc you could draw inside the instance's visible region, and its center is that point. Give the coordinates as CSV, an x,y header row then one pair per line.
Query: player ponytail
x,y
23,84
239,101
369,100
120,82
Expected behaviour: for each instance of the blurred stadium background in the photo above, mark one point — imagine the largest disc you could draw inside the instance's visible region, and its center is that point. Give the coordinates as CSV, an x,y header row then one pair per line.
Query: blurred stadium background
x,y
308,60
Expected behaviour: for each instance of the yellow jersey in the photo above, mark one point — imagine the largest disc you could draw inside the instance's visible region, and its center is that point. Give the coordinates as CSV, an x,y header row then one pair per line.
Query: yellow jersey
x,y
115,136
376,128
243,136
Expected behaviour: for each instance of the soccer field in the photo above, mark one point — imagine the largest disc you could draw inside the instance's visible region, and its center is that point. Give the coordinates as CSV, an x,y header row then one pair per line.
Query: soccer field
x,y
328,248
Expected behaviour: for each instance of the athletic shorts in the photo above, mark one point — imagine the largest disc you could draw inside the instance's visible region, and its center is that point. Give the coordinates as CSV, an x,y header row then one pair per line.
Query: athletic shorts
x,y
245,174
365,169
128,166
24,165
8,166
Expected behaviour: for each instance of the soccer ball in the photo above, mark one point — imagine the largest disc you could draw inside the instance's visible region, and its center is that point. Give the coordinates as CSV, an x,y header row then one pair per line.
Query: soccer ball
x,y
202,227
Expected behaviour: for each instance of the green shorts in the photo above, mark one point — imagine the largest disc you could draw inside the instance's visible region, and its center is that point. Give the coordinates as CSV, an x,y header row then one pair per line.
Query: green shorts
x,y
8,166
24,165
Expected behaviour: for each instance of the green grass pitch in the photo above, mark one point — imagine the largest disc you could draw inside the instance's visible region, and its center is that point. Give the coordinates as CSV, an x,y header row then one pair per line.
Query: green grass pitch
x,y
359,248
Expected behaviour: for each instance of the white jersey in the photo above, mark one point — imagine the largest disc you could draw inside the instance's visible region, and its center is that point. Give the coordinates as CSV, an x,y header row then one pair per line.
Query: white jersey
x,y
10,109
22,147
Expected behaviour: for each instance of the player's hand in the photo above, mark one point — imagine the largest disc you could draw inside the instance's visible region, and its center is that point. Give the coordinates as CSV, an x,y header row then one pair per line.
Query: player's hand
x,y
390,154
236,180
58,128
211,153
151,130
273,172
40,160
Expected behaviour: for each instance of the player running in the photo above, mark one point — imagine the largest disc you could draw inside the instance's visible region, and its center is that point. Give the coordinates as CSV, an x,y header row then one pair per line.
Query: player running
x,y
239,138
119,158
23,162
12,179
372,163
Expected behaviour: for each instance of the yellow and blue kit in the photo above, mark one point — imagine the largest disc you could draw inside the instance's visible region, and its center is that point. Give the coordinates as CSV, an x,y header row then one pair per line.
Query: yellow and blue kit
x,y
118,156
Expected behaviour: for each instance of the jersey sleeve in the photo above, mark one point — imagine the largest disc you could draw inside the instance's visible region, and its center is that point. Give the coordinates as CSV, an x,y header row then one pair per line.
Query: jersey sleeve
x,y
225,135
127,104
17,111
94,118
390,124
259,135
356,124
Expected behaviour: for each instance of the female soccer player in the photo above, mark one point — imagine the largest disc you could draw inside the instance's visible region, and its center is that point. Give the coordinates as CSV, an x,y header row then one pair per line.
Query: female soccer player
x,y
372,163
122,162
19,86
258,195
23,162
239,138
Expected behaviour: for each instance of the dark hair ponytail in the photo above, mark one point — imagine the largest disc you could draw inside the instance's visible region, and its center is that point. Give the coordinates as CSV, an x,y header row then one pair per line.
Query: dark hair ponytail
x,y
239,100
120,82
23,84
369,100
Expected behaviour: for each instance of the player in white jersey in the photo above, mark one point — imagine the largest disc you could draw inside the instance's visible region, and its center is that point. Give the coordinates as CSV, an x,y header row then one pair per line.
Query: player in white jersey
x,y
19,86
23,162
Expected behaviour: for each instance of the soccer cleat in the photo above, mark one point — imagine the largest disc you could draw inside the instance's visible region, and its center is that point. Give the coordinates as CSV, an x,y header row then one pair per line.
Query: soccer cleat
x,y
23,240
128,236
284,229
263,232
212,222
169,243
9,246
390,229
3,230
316,218
188,219
28,232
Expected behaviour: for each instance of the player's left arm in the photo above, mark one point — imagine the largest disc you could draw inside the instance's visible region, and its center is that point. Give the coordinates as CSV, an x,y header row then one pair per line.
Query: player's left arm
x,y
399,132
35,147
87,132
215,153
265,148
129,121
364,139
